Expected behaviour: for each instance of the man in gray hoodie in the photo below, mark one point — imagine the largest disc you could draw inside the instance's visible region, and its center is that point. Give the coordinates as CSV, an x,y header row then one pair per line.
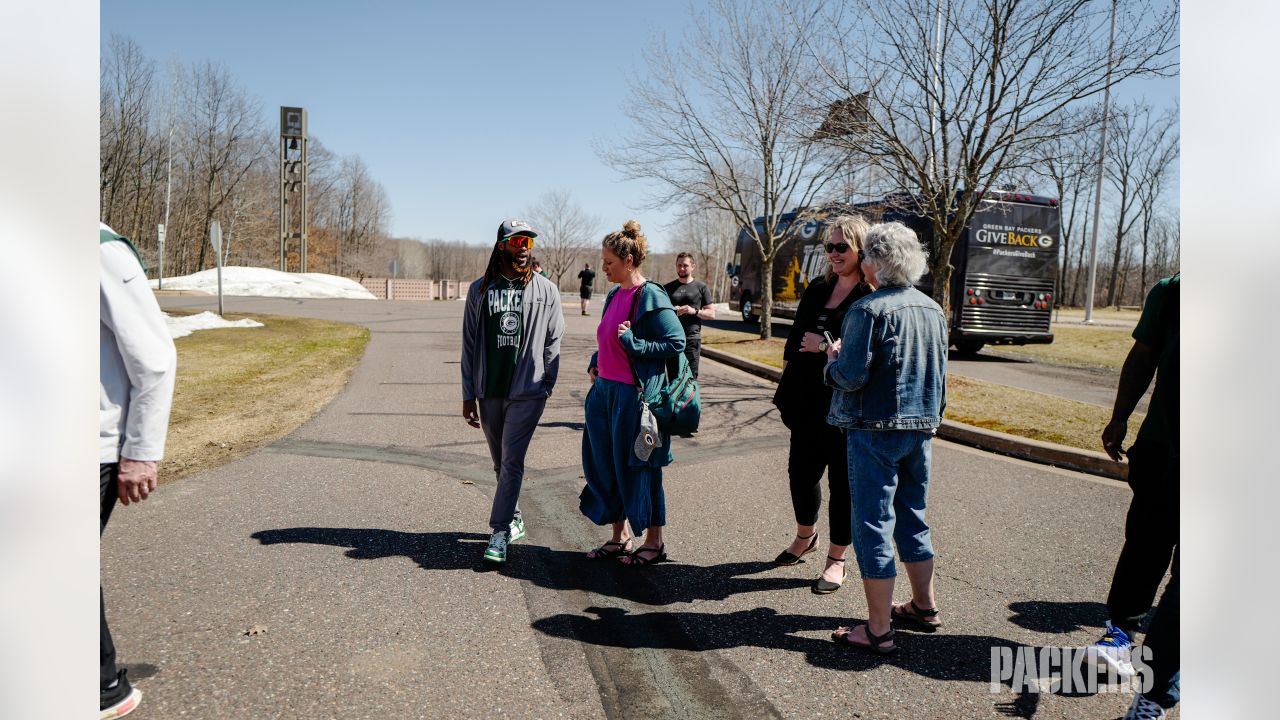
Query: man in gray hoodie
x,y
511,330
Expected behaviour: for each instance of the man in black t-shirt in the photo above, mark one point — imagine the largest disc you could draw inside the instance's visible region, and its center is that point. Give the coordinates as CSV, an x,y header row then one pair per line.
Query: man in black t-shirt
x,y
692,299
586,279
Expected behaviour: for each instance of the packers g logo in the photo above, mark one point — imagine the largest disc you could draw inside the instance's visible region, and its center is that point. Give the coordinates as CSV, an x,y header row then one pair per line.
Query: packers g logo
x,y
1045,241
509,322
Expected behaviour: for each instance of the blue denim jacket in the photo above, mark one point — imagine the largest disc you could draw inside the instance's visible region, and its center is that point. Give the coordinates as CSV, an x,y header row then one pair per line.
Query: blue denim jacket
x,y
892,369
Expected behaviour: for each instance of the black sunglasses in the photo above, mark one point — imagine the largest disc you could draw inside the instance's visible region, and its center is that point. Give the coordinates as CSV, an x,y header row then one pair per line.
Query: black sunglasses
x,y
838,247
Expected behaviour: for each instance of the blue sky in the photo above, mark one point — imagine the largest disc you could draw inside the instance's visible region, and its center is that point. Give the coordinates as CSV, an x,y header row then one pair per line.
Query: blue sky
x,y
465,112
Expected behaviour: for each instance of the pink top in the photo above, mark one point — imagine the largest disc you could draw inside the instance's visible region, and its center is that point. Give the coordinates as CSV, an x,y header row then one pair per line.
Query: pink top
x,y
612,360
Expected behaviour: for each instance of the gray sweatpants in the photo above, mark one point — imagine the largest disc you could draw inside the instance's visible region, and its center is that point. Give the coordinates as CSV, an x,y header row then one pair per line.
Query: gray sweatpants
x,y
508,426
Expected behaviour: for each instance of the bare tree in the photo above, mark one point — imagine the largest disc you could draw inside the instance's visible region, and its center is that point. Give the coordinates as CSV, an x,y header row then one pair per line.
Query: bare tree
x,y
225,139
565,232
724,119
1155,172
1142,149
957,94
1066,162
363,214
128,155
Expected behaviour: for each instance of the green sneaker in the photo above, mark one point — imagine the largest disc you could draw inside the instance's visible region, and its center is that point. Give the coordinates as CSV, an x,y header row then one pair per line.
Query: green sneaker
x,y
497,550
517,528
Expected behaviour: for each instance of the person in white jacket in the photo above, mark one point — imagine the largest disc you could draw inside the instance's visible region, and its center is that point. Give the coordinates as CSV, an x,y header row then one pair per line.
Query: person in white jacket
x,y
137,365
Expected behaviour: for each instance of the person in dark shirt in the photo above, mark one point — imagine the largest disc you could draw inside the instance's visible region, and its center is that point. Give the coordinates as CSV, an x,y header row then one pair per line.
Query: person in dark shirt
x,y
1151,528
586,278
803,400
511,330
692,299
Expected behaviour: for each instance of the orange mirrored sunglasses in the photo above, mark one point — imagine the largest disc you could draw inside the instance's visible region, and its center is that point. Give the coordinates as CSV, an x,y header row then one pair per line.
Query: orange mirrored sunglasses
x,y
520,241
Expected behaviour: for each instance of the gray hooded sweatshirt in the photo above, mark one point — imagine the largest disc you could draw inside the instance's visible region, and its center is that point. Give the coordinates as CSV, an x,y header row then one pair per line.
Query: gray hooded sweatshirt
x,y
538,362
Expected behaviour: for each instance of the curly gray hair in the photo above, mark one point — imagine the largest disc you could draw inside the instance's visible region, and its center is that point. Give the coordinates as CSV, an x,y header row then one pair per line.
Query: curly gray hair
x,y
894,253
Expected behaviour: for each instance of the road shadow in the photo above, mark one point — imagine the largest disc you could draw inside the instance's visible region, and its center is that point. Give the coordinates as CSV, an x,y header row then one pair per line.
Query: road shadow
x,y
938,656
1046,616
660,584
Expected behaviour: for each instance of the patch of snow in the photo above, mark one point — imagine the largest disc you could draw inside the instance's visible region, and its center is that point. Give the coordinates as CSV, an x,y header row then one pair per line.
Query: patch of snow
x,y
264,282
184,325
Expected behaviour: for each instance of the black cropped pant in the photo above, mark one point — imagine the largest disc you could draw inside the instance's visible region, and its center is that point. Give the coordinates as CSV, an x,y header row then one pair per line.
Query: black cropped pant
x,y
1150,534
817,447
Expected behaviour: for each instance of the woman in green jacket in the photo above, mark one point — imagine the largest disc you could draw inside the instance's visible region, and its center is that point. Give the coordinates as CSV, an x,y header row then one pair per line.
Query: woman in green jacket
x,y
638,333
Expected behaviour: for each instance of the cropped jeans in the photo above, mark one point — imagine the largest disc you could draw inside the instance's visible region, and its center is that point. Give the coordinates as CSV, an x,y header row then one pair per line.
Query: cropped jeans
x,y
888,486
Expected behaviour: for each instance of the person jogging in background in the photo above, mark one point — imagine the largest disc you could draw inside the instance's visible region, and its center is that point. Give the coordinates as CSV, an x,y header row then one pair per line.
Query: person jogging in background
x,y
1151,528
692,299
137,364
511,330
586,278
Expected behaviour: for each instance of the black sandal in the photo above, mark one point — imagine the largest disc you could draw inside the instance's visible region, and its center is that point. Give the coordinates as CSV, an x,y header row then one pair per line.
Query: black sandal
x,y
786,558
638,559
876,644
822,586
912,614
604,553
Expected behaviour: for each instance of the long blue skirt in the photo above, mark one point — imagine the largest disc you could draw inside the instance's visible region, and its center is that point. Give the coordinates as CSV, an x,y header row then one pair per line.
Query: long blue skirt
x,y
615,488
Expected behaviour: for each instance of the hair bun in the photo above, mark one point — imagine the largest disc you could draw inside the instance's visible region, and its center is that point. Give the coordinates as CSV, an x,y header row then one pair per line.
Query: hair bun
x,y
631,229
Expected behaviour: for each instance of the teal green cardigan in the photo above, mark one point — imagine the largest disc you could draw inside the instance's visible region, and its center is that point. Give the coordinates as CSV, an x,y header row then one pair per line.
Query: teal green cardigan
x,y
654,337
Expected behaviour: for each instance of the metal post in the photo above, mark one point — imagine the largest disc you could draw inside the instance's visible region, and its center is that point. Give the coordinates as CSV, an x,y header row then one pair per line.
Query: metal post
x,y
215,239
168,195
1102,155
934,81
302,221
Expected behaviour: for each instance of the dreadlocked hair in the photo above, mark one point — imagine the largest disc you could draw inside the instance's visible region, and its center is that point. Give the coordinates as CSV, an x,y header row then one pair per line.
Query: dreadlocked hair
x,y
493,270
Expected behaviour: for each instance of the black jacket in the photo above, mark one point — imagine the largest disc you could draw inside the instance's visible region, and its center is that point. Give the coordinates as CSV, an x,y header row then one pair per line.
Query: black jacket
x,y
802,398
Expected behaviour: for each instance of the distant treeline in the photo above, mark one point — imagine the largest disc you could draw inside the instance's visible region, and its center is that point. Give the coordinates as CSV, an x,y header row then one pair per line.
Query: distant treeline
x,y
192,133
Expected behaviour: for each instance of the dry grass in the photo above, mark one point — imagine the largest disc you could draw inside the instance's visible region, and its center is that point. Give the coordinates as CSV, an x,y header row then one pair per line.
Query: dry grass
x,y
239,389
1029,414
1077,346
745,344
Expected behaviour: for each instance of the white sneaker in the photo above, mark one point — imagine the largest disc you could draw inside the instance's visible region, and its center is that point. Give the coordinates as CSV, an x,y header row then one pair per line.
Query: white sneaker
x,y
1113,651
1143,709
517,528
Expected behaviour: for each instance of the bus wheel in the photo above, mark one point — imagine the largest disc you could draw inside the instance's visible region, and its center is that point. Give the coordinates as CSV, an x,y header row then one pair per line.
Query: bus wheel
x,y
969,347
746,305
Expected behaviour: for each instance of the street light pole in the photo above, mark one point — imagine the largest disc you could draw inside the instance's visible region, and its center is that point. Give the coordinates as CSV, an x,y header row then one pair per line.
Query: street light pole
x,y
1102,155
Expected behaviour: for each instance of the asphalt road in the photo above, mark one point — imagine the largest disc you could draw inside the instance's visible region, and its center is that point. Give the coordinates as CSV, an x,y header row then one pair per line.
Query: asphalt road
x,y
337,573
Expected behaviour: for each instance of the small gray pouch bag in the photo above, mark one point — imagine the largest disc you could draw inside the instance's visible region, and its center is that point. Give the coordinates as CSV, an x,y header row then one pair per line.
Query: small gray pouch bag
x,y
647,438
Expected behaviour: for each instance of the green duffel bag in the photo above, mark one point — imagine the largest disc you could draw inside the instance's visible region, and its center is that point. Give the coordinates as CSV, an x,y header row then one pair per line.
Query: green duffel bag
x,y
678,407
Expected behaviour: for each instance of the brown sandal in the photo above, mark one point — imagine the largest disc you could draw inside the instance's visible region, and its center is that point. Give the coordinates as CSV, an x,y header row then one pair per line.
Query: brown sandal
x,y
879,644
912,614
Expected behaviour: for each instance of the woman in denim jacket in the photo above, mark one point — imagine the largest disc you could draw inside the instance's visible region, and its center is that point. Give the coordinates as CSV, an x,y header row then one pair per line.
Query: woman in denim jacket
x,y
620,487
889,374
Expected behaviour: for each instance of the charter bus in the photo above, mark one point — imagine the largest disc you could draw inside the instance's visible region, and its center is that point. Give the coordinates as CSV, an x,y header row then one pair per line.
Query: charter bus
x,y
1005,264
